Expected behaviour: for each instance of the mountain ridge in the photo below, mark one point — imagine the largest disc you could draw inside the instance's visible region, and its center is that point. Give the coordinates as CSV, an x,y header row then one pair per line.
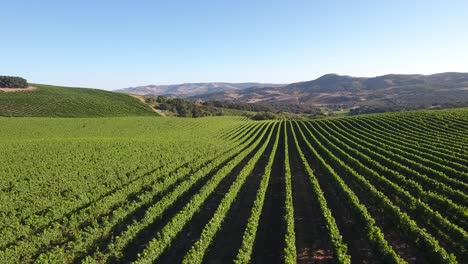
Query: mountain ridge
x,y
343,89
335,89
192,89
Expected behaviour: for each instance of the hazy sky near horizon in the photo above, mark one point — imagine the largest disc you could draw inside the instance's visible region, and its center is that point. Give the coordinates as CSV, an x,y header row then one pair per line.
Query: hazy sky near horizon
x,y
115,44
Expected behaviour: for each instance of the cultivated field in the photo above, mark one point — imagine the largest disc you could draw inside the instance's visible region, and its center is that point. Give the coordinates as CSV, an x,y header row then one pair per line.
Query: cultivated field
x,y
387,188
55,101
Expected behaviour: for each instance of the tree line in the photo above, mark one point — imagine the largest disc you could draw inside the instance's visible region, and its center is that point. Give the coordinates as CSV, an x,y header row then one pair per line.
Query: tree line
x,y
187,108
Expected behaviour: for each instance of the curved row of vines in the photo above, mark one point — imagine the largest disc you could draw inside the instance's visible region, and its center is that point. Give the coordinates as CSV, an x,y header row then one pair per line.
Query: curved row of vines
x,y
385,188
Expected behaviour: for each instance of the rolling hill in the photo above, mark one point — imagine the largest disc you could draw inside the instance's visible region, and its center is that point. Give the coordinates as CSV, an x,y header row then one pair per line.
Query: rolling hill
x,y
55,101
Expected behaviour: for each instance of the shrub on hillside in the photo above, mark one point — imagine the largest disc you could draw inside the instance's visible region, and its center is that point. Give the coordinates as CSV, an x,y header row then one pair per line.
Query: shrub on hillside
x,y
13,82
264,116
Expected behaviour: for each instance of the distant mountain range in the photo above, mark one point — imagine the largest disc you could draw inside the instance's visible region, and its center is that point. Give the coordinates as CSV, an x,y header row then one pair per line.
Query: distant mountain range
x,y
329,89
193,89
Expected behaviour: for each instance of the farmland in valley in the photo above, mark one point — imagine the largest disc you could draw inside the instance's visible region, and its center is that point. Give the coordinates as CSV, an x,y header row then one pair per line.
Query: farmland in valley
x,y
378,188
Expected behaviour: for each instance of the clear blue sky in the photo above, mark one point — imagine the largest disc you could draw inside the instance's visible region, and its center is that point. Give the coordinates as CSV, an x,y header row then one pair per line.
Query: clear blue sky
x,y
115,44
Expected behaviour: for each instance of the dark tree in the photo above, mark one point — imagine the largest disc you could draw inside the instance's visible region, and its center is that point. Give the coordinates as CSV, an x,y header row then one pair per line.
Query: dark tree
x,y
13,82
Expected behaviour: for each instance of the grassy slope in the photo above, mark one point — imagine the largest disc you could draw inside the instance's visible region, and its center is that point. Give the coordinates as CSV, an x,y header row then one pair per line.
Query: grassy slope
x,y
55,101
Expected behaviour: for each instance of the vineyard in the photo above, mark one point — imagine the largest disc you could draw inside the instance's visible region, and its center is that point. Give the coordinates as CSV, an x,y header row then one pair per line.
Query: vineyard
x,y
384,188
56,101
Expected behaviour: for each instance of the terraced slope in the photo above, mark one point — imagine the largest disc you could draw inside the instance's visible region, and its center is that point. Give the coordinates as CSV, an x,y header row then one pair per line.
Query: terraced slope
x,y
388,188
54,101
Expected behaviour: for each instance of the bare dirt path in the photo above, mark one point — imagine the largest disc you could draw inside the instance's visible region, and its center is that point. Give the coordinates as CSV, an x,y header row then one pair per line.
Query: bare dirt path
x,y
142,99
9,90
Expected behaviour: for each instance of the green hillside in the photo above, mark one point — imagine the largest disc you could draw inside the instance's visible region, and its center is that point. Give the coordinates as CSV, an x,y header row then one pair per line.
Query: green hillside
x,y
58,101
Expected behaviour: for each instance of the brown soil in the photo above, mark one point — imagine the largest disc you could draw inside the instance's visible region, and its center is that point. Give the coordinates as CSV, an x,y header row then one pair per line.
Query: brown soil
x,y
310,256
8,90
